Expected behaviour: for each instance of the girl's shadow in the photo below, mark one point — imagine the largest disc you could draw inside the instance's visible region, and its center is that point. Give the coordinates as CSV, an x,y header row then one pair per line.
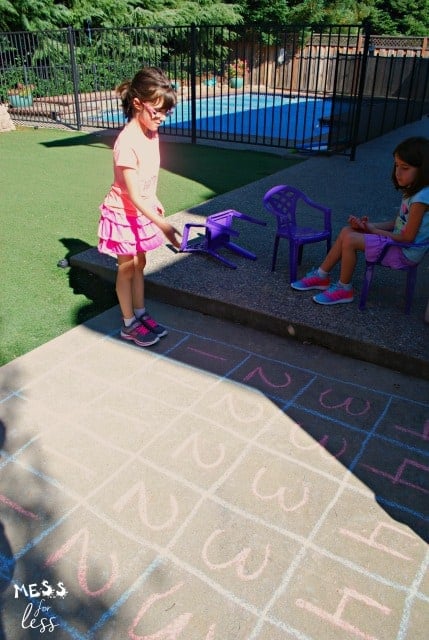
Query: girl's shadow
x,y
7,561
100,293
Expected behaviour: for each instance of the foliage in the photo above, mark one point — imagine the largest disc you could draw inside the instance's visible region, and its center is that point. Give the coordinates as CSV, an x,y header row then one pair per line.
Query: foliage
x,y
33,15
400,17
393,17
237,68
20,89
387,17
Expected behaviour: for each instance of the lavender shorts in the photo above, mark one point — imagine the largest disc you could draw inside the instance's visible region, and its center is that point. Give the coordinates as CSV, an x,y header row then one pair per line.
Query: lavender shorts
x,y
394,257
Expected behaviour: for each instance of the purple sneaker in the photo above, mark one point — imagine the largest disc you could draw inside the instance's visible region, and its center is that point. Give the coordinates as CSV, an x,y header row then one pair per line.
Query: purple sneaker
x,y
336,294
312,281
139,334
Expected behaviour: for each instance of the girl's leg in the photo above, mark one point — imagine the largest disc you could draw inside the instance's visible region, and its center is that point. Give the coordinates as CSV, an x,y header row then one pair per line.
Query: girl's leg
x,y
129,283
124,285
138,281
138,298
353,242
344,249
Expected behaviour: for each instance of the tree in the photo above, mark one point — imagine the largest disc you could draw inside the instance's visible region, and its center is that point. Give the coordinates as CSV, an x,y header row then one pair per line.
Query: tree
x,y
394,17
32,15
400,17
265,12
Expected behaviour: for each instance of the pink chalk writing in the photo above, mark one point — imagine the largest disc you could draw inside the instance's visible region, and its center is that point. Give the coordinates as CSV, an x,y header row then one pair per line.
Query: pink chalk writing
x,y
193,442
239,560
83,535
398,477
173,629
205,353
138,492
336,618
424,435
372,541
279,495
345,404
16,507
321,445
251,413
259,371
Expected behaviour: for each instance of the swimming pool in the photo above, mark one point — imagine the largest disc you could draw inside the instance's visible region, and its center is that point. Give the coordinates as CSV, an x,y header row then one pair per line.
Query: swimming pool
x,y
247,115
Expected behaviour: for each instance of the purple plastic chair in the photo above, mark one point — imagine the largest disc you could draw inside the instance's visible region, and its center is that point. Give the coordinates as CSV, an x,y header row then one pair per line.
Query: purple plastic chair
x,y
284,202
217,235
411,274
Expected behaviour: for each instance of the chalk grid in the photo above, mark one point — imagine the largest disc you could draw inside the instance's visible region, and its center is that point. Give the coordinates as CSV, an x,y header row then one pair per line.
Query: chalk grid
x,y
207,492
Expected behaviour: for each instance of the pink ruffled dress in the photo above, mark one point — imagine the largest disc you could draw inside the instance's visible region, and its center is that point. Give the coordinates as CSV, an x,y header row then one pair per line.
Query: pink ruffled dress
x,y
122,229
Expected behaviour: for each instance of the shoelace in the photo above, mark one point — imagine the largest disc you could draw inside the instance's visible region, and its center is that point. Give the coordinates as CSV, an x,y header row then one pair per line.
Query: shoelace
x,y
150,321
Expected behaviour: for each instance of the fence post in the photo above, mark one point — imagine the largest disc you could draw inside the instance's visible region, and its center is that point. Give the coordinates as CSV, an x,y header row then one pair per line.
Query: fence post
x,y
193,84
75,76
361,88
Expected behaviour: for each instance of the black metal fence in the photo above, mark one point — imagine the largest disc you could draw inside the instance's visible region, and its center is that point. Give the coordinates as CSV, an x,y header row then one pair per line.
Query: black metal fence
x,y
277,87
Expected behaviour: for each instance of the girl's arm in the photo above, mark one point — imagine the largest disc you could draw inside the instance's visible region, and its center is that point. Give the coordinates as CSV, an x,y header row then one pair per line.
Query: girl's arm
x,y
409,231
132,184
387,225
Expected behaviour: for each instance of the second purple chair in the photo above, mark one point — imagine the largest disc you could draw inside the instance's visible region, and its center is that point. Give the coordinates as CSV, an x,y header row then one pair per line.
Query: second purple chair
x,y
291,207
217,235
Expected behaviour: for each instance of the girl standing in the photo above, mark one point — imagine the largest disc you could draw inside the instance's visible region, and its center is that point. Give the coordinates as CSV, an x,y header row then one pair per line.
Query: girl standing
x,y
132,218
411,176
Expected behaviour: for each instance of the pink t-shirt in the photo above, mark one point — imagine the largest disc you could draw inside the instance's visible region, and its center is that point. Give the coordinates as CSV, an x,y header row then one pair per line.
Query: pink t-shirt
x,y
133,149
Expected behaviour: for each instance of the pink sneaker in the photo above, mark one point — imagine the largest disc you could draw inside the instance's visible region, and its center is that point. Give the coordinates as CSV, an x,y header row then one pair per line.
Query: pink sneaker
x,y
312,281
139,334
336,294
152,325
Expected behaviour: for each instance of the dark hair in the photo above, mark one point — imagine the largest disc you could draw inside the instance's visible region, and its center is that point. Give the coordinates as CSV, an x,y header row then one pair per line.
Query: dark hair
x,y
148,85
415,152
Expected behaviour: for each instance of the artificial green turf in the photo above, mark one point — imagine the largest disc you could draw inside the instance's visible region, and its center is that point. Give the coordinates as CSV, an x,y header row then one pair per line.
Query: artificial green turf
x,y
52,184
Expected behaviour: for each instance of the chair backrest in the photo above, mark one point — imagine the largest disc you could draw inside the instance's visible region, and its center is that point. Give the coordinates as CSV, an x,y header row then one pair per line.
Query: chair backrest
x,y
282,201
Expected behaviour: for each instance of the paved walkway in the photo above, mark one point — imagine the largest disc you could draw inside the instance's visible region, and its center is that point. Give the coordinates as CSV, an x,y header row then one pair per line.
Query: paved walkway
x,y
225,484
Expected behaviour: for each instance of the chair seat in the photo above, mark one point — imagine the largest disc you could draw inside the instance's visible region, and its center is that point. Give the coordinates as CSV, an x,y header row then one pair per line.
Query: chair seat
x,y
306,234
410,270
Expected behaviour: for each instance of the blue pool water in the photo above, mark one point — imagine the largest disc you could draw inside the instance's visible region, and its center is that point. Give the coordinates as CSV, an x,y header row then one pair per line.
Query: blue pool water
x,y
246,115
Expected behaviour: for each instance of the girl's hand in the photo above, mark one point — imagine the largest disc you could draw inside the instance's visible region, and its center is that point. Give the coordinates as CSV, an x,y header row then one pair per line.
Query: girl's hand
x,y
170,233
358,224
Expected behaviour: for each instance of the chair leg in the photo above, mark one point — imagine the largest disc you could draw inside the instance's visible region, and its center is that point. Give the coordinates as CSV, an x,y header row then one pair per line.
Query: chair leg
x,y
300,250
241,252
224,261
294,252
369,272
185,237
410,286
276,246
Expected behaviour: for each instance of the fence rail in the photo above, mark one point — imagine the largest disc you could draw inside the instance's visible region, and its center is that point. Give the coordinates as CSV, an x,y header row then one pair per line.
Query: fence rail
x,y
277,87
